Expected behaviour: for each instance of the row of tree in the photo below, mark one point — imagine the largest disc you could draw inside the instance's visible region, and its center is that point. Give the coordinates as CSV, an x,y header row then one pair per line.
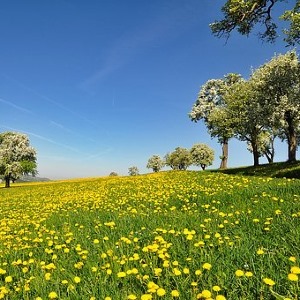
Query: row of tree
x,y
181,158
257,110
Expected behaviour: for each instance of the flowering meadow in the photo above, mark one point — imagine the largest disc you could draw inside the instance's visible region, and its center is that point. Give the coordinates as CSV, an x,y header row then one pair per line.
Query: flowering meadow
x,y
169,235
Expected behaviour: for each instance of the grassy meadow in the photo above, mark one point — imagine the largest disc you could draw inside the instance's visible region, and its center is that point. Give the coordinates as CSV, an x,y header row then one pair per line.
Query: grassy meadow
x,y
170,235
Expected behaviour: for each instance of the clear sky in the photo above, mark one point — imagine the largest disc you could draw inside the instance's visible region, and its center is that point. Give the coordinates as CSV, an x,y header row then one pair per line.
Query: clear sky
x,y
100,85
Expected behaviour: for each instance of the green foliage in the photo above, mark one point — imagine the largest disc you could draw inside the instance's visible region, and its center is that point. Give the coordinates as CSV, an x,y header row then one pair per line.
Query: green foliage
x,y
244,15
113,174
155,163
202,155
17,157
277,83
179,159
133,171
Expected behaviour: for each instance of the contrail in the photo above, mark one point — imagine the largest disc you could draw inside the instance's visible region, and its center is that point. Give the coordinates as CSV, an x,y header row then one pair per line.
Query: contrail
x,y
15,106
42,138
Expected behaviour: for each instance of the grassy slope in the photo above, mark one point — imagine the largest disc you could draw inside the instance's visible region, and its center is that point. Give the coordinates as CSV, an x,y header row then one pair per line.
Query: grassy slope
x,y
280,170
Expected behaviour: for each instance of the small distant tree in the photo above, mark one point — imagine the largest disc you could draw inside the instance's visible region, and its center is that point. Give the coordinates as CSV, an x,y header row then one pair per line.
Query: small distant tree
x,y
155,163
17,157
133,171
113,174
180,159
202,155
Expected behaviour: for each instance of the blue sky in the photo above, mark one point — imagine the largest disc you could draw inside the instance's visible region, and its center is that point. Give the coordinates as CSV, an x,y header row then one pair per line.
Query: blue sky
x,y
100,86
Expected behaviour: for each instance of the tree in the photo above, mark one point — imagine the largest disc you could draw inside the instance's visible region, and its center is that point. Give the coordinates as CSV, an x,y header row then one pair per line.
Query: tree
x,y
278,83
246,115
155,163
179,159
244,15
265,145
210,107
202,155
133,171
113,174
17,157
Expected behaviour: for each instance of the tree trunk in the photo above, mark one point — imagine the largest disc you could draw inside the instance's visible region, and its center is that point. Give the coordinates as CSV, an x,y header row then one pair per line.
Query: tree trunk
x,y
203,166
7,181
292,147
224,157
270,153
291,138
255,154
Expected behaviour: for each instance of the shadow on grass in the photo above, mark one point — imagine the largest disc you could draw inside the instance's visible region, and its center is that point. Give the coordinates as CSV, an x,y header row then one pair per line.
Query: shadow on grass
x,y
279,170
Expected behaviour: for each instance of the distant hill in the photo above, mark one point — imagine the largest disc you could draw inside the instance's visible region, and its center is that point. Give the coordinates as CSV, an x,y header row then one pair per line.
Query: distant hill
x,y
28,178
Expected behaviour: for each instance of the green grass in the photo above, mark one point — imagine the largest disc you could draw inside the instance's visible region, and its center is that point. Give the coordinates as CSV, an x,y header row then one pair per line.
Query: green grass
x,y
152,229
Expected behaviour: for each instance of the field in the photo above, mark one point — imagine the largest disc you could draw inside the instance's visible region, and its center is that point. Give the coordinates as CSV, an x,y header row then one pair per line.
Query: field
x,y
170,235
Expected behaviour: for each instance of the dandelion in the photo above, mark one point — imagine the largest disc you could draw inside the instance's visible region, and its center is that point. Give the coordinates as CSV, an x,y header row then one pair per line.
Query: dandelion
x,y
206,294
121,274
131,297
216,288
174,293
293,277
220,297
295,270
269,281
239,273
198,272
160,292
248,274
8,279
76,279
52,295
292,259
260,251
206,266
146,297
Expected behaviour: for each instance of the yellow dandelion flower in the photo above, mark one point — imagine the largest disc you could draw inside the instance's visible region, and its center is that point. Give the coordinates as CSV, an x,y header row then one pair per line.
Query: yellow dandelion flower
x,y
161,292
293,277
121,274
248,274
216,288
269,281
52,295
8,279
47,276
76,279
292,259
107,298
206,294
198,272
239,273
295,270
131,297
260,251
220,297
146,297
206,266
175,293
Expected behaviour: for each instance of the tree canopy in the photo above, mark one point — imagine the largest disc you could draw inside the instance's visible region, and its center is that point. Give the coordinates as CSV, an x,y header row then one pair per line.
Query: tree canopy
x,y
155,163
17,157
244,15
202,155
